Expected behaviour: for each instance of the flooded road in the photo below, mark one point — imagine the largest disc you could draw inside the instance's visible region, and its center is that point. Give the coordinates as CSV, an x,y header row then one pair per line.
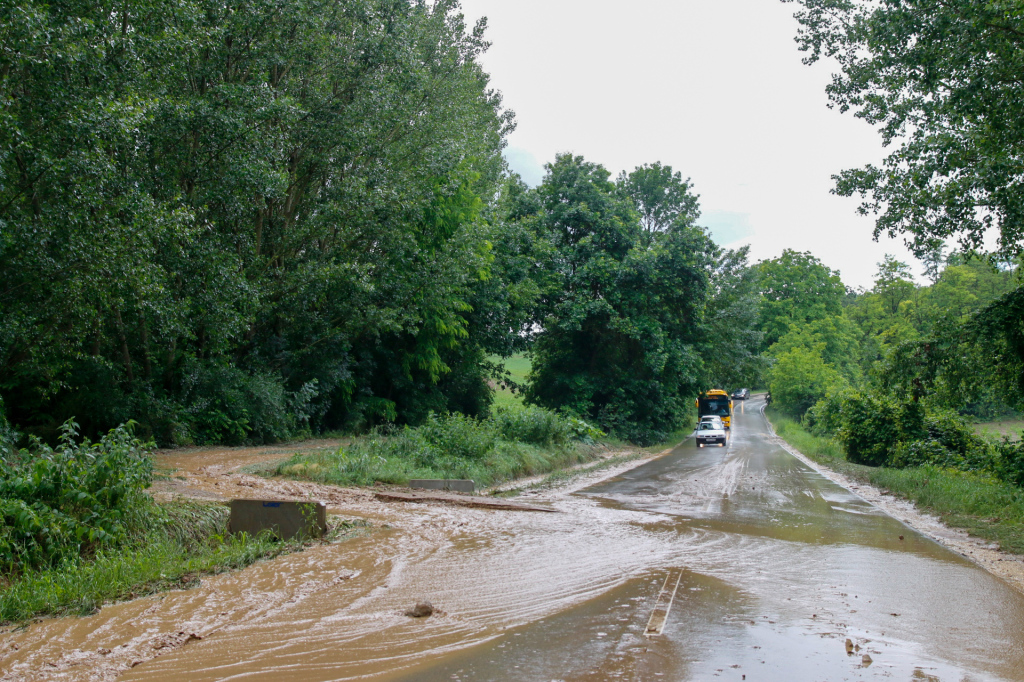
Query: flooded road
x,y
737,563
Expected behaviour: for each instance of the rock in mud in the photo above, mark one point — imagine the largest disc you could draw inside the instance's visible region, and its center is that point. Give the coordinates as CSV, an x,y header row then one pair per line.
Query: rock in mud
x,y
421,610
849,646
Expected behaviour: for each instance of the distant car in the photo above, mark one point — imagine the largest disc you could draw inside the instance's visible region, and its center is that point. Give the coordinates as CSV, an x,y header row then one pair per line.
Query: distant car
x,y
741,394
708,432
714,419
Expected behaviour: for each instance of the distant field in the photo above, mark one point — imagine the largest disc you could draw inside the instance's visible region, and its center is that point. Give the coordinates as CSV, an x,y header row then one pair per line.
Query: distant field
x,y
518,366
1002,427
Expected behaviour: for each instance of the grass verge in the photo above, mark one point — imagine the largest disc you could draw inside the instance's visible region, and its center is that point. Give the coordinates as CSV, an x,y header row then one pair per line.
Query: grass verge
x,y
193,542
507,462
981,505
509,444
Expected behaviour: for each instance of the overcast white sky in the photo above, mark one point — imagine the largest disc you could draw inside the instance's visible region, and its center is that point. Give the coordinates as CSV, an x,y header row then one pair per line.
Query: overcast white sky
x,y
714,88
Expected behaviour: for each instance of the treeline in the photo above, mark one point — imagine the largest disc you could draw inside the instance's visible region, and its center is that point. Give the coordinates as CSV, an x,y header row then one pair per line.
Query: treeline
x,y
248,222
897,372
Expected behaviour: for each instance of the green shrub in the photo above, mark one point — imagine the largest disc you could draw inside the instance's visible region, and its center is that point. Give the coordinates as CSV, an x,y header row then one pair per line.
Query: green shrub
x,y
57,505
825,418
224,404
456,435
533,425
1009,461
872,425
8,436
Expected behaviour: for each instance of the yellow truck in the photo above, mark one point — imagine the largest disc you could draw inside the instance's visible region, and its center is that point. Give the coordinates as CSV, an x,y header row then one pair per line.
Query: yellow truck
x,y
715,402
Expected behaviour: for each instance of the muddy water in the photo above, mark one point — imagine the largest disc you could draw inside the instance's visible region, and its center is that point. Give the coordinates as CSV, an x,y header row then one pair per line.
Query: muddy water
x,y
776,566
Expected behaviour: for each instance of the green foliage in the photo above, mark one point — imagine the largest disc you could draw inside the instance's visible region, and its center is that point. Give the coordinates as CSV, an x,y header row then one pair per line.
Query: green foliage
x,y
873,425
621,308
940,78
265,221
796,288
57,505
1010,461
800,378
837,339
894,284
733,340
8,436
661,197
948,442
999,329
512,443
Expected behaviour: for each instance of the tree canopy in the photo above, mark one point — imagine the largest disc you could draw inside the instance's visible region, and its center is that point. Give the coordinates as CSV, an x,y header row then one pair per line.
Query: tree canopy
x,y
941,79
796,288
622,311
235,222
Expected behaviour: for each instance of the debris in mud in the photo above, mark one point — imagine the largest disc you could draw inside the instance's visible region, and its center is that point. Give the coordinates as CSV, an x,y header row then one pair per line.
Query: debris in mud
x,y
422,609
866,660
460,500
849,647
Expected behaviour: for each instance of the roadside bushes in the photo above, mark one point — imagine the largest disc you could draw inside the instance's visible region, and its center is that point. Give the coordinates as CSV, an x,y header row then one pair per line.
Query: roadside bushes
x,y
1009,465
880,430
872,425
513,442
61,504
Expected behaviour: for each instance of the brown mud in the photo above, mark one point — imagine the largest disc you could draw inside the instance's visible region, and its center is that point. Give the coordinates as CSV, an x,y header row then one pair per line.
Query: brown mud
x,y
774,567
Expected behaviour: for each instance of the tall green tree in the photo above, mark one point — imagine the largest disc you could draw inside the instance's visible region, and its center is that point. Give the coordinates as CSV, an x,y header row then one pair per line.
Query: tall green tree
x,y
732,338
240,222
894,284
621,318
941,79
796,288
660,196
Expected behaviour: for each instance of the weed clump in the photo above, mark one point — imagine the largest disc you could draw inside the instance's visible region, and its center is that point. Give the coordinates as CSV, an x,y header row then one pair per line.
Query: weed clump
x,y
66,503
513,442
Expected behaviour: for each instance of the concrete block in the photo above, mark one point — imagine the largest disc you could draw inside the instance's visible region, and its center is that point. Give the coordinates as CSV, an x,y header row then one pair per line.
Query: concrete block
x,y
286,519
453,484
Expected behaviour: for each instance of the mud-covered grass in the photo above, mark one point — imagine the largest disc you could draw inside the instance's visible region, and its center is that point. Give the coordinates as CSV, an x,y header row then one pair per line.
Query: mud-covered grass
x,y
563,476
191,542
981,505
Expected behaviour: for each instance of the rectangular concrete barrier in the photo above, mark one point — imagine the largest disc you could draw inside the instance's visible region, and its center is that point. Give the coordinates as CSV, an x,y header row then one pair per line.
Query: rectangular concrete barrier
x,y
451,484
285,519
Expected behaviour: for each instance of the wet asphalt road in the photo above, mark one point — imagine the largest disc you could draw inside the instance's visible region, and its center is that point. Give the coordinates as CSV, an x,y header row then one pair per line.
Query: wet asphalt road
x,y
777,567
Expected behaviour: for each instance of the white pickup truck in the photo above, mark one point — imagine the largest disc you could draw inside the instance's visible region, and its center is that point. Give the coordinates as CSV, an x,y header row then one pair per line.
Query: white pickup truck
x,y
709,432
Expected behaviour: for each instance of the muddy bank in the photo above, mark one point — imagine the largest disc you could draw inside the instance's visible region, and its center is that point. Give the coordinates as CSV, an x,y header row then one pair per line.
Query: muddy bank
x,y
358,591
